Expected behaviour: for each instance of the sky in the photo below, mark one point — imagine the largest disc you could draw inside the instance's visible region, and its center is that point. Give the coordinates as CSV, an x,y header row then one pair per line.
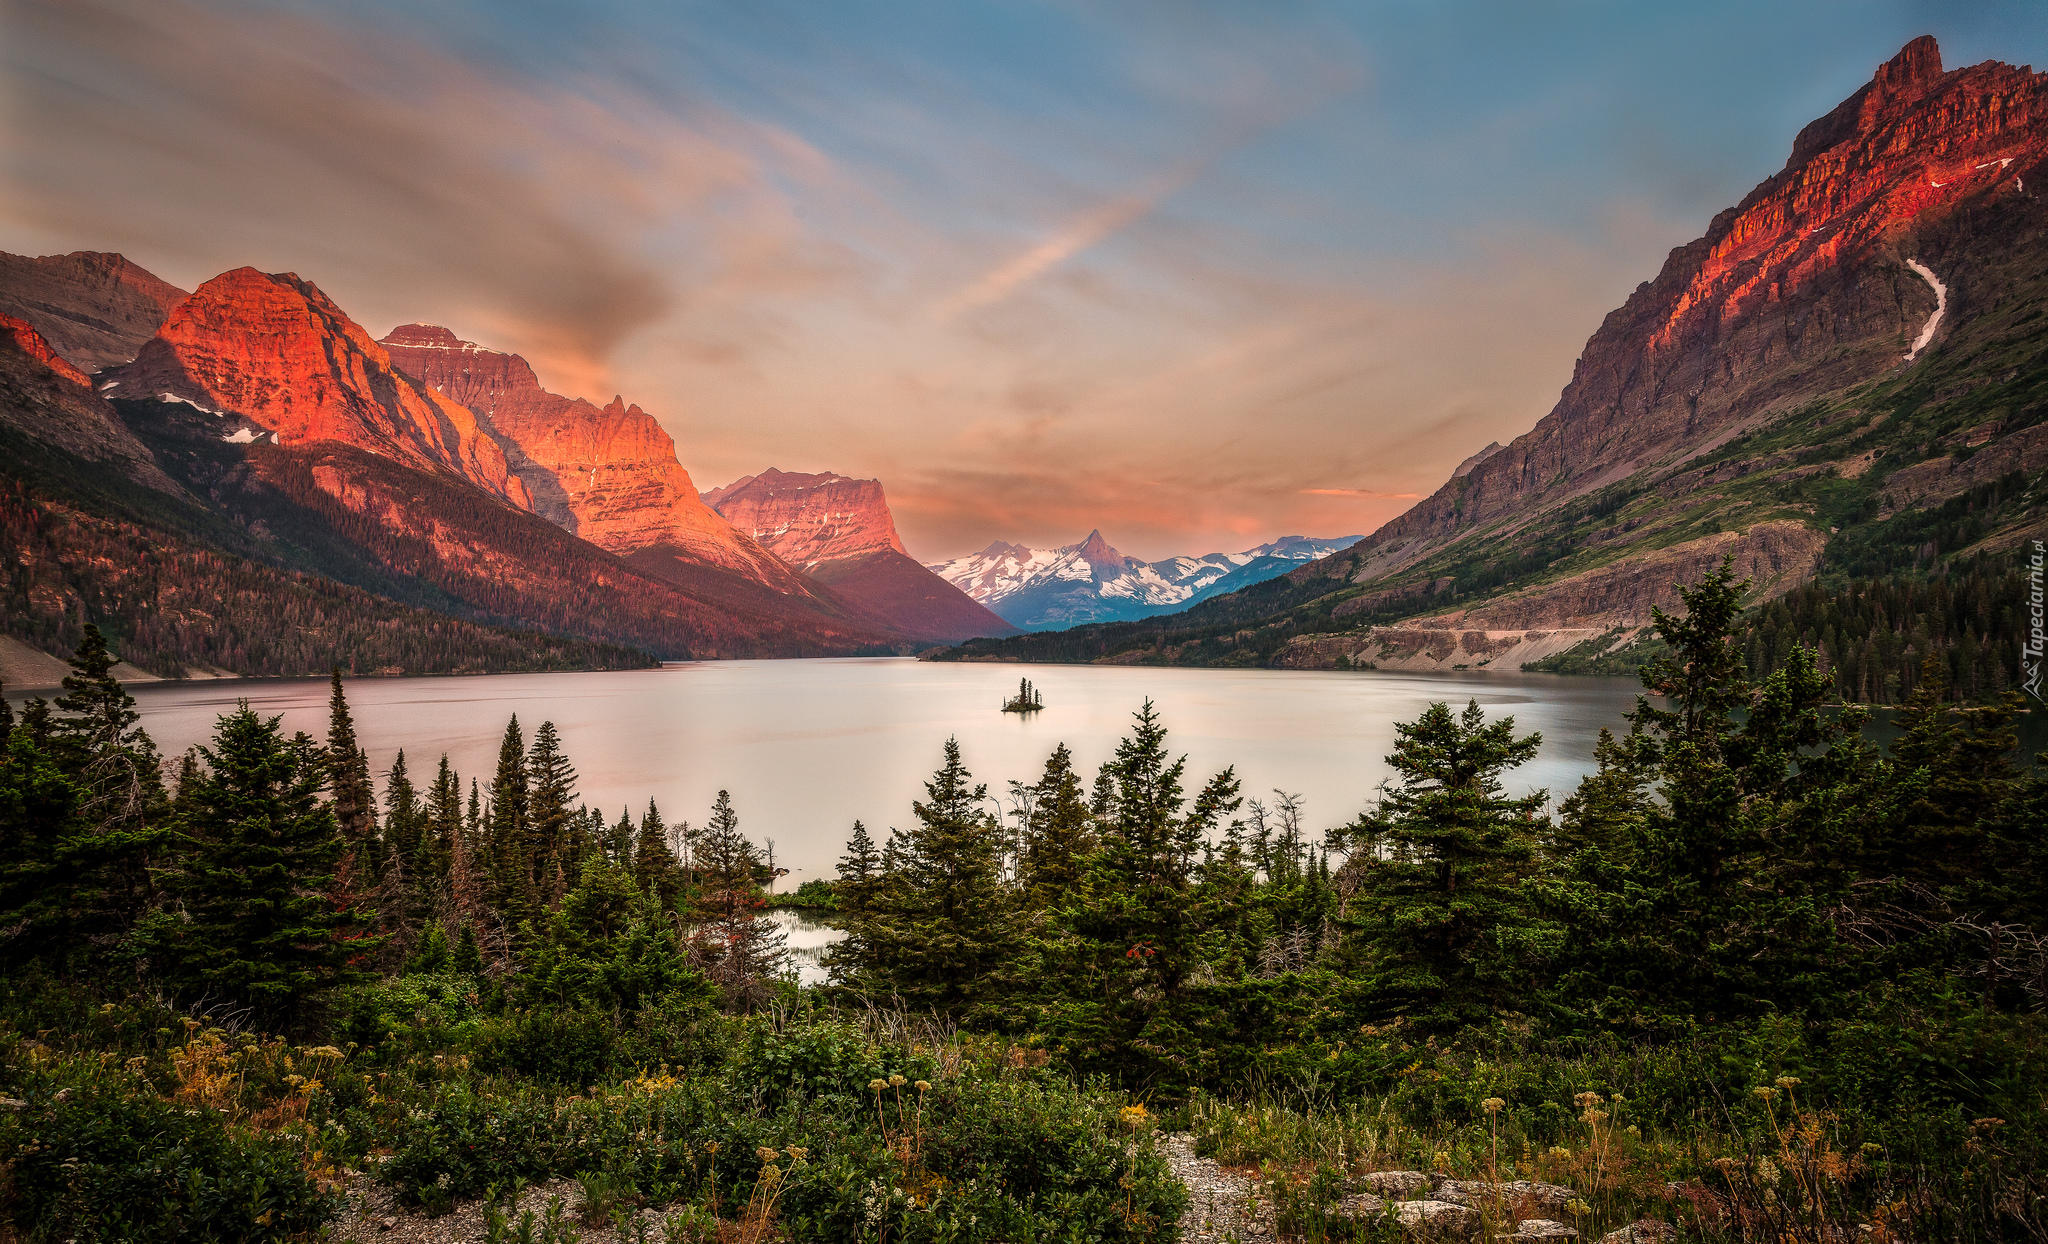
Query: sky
x,y
1195,274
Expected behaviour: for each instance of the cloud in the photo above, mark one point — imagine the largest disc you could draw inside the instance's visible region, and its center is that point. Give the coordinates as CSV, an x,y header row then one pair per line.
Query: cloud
x,y
410,182
1077,235
1362,492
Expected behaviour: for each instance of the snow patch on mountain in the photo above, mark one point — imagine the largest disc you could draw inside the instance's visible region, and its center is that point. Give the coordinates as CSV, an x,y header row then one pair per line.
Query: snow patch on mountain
x,y
1048,589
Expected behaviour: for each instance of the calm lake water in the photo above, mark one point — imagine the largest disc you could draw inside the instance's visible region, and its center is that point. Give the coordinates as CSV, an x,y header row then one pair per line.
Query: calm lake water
x,y
806,747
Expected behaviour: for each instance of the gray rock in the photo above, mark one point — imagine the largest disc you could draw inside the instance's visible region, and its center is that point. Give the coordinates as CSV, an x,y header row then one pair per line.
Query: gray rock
x,y
1642,1231
1393,1185
1361,1207
1541,1229
1519,1195
1437,1220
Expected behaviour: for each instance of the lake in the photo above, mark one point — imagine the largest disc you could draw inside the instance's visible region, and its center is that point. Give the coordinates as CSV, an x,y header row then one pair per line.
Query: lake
x,y
806,747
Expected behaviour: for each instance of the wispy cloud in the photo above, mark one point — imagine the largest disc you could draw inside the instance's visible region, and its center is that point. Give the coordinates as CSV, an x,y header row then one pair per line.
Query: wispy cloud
x,y
1373,494
1086,230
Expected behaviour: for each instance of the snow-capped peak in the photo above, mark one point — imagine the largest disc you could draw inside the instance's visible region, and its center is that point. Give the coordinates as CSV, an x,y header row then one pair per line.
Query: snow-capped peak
x,y
1091,581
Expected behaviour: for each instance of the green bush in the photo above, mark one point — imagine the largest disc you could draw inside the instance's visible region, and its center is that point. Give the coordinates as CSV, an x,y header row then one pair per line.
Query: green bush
x,y
98,1160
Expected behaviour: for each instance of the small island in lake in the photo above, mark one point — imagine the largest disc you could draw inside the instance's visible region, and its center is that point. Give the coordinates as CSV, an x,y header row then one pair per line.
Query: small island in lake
x,y
1027,699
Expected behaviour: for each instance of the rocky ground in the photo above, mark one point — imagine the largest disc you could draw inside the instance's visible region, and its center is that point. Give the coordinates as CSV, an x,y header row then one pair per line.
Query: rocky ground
x,y
1225,1206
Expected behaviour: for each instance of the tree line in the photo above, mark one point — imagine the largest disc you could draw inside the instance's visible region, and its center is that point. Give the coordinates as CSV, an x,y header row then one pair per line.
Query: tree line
x,y
266,870
1741,851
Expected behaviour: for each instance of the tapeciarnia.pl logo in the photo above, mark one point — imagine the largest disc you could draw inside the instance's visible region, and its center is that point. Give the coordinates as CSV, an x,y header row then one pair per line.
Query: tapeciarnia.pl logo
x,y
2037,618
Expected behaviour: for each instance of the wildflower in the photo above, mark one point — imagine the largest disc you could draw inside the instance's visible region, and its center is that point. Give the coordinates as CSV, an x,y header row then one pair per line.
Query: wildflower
x,y
923,1086
1767,1172
1788,1083
1766,1093
897,1081
1492,1105
876,1086
798,1154
766,1154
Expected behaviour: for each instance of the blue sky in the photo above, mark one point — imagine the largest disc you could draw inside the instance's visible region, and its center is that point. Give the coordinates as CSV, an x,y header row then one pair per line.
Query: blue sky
x,y
1195,274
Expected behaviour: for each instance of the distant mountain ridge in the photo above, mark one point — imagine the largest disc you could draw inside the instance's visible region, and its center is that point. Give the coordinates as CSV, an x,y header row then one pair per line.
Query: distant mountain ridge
x,y
1048,589
840,531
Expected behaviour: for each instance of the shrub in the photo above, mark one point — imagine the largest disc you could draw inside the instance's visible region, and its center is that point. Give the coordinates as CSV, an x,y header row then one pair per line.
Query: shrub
x,y
98,1160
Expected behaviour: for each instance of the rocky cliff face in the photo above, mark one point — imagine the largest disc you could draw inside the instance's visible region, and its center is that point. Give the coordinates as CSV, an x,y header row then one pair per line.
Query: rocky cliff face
x,y
44,400
1801,289
275,350
807,520
94,308
23,337
607,473
840,531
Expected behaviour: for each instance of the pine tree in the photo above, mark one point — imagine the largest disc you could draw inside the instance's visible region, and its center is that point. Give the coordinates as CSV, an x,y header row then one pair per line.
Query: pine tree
x,y
1059,832
1442,918
406,893
95,737
98,879
654,862
742,949
1131,940
555,845
447,852
938,928
260,851
354,799
507,845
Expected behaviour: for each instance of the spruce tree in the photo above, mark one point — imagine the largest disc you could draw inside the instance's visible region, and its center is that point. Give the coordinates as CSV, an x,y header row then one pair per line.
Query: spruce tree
x,y
1132,940
742,949
1444,922
96,737
1059,832
654,861
354,798
507,847
260,850
553,828
938,929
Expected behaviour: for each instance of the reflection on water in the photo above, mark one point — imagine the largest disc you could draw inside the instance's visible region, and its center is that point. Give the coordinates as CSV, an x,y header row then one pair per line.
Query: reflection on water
x,y
806,747
807,940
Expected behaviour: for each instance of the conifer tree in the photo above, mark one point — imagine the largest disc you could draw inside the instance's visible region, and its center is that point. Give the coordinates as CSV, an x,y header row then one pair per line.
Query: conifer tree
x,y
96,738
938,929
1133,936
654,862
507,845
447,851
1442,918
98,857
553,828
1059,832
259,861
354,798
742,949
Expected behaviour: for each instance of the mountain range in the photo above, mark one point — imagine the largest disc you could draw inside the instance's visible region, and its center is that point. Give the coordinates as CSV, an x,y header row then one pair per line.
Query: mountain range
x,y
1843,380
188,469
1049,589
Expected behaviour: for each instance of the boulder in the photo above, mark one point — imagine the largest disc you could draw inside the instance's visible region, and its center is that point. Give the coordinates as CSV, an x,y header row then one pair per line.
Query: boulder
x,y
1436,1220
1518,1195
1360,1207
1540,1229
1642,1231
1393,1185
